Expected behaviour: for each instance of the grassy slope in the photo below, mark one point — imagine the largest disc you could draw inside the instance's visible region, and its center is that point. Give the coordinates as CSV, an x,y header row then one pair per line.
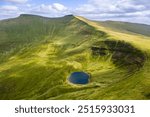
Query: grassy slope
x,y
126,27
40,53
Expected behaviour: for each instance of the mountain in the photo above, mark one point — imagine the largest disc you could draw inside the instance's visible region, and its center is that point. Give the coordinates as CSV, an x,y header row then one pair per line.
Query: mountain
x,y
38,54
127,27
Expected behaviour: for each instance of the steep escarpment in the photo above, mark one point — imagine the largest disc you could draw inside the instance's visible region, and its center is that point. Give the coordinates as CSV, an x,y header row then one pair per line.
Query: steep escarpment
x,y
123,54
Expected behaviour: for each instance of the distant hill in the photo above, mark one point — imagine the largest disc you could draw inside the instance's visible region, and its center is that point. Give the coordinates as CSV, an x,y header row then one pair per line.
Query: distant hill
x,y
38,54
127,27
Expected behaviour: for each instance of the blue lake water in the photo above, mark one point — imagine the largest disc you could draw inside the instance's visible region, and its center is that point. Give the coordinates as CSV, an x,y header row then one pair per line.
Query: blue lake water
x,y
79,78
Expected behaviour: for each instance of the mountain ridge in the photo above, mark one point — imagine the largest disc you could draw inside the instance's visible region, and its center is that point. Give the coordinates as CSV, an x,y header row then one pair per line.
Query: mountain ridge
x,y
38,54
75,16
137,28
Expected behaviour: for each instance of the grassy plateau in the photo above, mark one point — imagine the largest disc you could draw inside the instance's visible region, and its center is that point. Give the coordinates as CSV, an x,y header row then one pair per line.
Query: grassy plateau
x,y
37,55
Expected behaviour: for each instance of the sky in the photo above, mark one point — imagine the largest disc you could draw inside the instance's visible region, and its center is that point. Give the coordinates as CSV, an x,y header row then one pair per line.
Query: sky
x,y
137,11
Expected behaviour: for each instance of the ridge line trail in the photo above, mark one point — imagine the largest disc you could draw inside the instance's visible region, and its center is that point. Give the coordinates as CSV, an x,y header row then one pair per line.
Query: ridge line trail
x,y
140,41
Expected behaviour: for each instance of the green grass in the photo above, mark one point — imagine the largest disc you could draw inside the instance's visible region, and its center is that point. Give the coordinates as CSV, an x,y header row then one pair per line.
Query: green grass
x,y
126,27
38,54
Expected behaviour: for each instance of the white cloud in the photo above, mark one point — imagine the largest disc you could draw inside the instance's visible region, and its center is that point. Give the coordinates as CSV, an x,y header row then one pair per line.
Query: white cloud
x,y
49,10
125,10
54,8
16,1
86,9
130,6
59,7
28,5
109,6
8,8
45,8
9,11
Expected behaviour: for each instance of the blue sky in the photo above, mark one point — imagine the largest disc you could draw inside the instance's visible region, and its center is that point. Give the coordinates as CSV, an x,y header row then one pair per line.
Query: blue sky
x,y
119,10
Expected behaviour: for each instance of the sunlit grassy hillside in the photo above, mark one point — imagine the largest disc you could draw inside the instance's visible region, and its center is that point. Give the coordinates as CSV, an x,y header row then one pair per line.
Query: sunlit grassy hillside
x,y
126,27
38,54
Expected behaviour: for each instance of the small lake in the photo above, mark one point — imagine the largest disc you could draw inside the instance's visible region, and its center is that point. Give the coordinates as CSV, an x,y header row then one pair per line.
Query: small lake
x,y
79,78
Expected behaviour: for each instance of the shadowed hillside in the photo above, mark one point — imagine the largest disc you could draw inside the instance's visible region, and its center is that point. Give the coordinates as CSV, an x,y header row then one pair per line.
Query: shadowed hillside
x,y
37,55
